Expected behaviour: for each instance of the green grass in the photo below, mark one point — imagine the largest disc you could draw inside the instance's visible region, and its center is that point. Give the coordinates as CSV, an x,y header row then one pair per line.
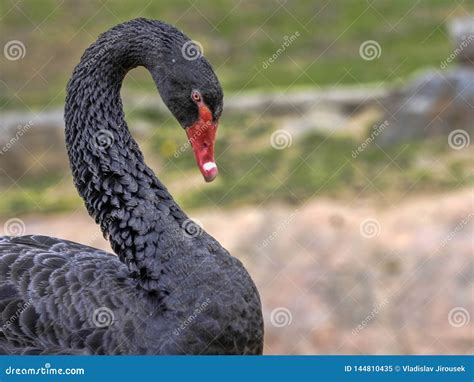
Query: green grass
x,y
320,166
237,38
251,171
37,199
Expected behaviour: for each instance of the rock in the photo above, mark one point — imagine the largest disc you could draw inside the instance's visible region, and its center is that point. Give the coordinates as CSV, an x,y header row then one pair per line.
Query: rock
x,y
281,103
462,33
433,103
31,145
325,118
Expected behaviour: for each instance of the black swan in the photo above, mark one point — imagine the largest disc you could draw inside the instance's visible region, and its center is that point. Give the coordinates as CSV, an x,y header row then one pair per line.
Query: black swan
x,y
171,288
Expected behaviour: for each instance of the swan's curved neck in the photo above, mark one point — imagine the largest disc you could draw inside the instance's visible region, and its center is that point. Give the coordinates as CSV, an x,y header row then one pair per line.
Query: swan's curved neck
x,y
120,191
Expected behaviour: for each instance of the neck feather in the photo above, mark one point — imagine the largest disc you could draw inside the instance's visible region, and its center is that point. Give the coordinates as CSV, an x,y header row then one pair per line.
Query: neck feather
x,y
133,208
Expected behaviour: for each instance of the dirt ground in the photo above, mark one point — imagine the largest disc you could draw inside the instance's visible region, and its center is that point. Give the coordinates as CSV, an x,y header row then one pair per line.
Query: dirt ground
x,y
344,279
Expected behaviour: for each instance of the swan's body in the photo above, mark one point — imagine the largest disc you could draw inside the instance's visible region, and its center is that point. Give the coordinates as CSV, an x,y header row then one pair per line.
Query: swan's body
x,y
168,290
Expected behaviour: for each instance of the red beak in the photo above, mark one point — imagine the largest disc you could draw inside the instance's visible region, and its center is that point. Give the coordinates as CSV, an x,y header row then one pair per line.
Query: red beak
x,y
202,136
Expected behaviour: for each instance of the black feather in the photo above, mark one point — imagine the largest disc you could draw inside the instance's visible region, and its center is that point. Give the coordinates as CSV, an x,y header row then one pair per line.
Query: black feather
x,y
165,291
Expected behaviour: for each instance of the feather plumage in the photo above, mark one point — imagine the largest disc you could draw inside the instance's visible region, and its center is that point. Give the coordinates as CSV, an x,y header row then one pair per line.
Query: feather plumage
x,y
164,291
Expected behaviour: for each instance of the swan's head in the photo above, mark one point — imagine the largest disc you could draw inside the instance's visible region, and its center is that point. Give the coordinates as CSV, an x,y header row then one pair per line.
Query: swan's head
x,y
191,90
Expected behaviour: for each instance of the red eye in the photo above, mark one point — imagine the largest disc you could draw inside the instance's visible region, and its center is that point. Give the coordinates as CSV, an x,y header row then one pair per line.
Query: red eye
x,y
196,96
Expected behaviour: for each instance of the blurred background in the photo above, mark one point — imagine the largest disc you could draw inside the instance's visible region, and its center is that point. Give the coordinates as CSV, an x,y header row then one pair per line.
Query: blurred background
x,y
345,156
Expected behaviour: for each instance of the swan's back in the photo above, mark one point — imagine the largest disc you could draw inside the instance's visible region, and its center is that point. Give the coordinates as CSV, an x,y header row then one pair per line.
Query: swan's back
x,y
61,297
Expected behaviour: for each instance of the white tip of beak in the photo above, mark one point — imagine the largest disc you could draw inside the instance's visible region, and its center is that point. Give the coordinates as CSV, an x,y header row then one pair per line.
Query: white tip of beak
x,y
208,166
